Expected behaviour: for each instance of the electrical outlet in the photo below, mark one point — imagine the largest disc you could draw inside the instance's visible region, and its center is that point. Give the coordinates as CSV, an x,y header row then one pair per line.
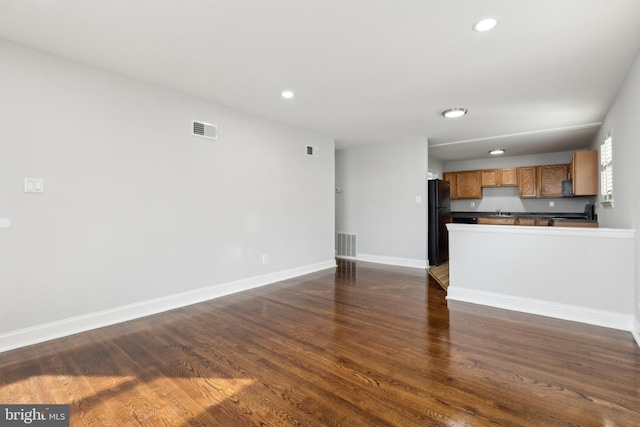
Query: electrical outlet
x,y
472,204
551,203
265,258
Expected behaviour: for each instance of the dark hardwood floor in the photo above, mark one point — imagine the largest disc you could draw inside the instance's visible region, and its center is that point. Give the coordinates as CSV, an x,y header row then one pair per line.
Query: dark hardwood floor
x,y
365,345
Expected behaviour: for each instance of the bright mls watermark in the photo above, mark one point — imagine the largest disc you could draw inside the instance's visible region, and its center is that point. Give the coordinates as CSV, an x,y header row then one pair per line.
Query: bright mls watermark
x,y
34,415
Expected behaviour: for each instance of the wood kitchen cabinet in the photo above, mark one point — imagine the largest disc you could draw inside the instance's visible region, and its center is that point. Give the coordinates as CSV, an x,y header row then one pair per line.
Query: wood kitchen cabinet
x,y
526,221
453,182
533,222
497,221
489,178
584,173
550,180
506,177
532,181
468,185
515,221
528,182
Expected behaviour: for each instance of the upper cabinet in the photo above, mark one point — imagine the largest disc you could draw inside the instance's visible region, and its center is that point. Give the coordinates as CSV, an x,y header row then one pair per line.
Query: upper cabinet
x,y
453,182
506,177
550,180
532,181
489,178
464,185
528,182
468,185
541,181
584,173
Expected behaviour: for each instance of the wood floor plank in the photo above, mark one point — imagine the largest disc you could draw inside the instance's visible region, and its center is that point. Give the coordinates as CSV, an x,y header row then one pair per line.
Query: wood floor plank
x,y
365,344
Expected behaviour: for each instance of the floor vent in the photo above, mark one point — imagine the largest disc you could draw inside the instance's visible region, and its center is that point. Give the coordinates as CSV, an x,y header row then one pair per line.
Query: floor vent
x,y
346,245
205,130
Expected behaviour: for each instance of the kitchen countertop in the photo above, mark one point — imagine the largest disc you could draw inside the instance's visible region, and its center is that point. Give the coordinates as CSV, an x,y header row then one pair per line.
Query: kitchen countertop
x,y
555,215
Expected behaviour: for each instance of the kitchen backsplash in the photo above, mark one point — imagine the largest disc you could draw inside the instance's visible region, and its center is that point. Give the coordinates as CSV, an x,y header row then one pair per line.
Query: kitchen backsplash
x,y
506,199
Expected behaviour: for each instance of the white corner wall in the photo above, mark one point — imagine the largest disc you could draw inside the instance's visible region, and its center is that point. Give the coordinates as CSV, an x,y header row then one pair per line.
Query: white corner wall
x,y
622,121
139,216
379,185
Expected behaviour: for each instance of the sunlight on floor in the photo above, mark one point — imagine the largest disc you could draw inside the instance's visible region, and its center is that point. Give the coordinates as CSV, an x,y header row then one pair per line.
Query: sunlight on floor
x,y
102,398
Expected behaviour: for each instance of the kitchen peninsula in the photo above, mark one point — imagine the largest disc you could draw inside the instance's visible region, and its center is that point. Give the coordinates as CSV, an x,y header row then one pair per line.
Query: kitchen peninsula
x,y
560,272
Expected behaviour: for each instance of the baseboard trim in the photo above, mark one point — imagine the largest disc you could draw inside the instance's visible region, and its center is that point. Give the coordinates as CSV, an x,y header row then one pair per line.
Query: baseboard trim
x,y
544,308
402,262
70,326
636,331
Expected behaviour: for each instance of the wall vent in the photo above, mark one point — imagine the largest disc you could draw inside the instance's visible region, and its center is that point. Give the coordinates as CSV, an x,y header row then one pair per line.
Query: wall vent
x,y
204,130
346,245
313,151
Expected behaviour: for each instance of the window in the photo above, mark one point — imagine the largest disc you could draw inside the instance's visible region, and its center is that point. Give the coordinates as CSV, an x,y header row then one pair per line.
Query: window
x,y
606,172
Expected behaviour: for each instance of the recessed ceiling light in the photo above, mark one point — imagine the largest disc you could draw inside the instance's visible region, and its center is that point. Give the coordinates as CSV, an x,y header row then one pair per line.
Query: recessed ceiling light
x,y
485,25
454,112
497,151
287,94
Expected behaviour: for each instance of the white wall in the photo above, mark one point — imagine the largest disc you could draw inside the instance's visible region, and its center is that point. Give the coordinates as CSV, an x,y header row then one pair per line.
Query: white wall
x,y
379,185
436,166
510,161
135,208
507,199
622,121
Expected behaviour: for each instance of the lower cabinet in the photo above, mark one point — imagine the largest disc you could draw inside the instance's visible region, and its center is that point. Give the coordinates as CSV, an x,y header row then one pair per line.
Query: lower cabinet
x,y
497,221
527,221
542,222
531,222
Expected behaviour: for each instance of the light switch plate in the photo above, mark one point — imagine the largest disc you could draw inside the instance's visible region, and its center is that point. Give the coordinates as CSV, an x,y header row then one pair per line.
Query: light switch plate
x,y
34,185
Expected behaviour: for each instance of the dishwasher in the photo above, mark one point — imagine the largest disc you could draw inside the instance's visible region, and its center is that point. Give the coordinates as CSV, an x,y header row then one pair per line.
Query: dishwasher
x,y
465,220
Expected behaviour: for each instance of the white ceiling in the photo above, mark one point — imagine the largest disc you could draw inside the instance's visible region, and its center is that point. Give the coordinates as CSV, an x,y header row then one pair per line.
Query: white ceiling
x,y
365,71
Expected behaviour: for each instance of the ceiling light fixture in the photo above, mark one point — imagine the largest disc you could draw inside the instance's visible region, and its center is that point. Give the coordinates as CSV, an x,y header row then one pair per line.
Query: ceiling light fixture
x,y
485,25
497,151
454,112
287,94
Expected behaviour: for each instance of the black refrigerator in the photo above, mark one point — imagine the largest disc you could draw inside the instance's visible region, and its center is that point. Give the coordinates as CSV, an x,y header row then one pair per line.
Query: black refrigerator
x,y
439,214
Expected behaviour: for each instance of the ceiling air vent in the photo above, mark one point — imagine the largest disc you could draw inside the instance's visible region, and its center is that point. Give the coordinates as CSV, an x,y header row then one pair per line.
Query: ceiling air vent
x,y
205,130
